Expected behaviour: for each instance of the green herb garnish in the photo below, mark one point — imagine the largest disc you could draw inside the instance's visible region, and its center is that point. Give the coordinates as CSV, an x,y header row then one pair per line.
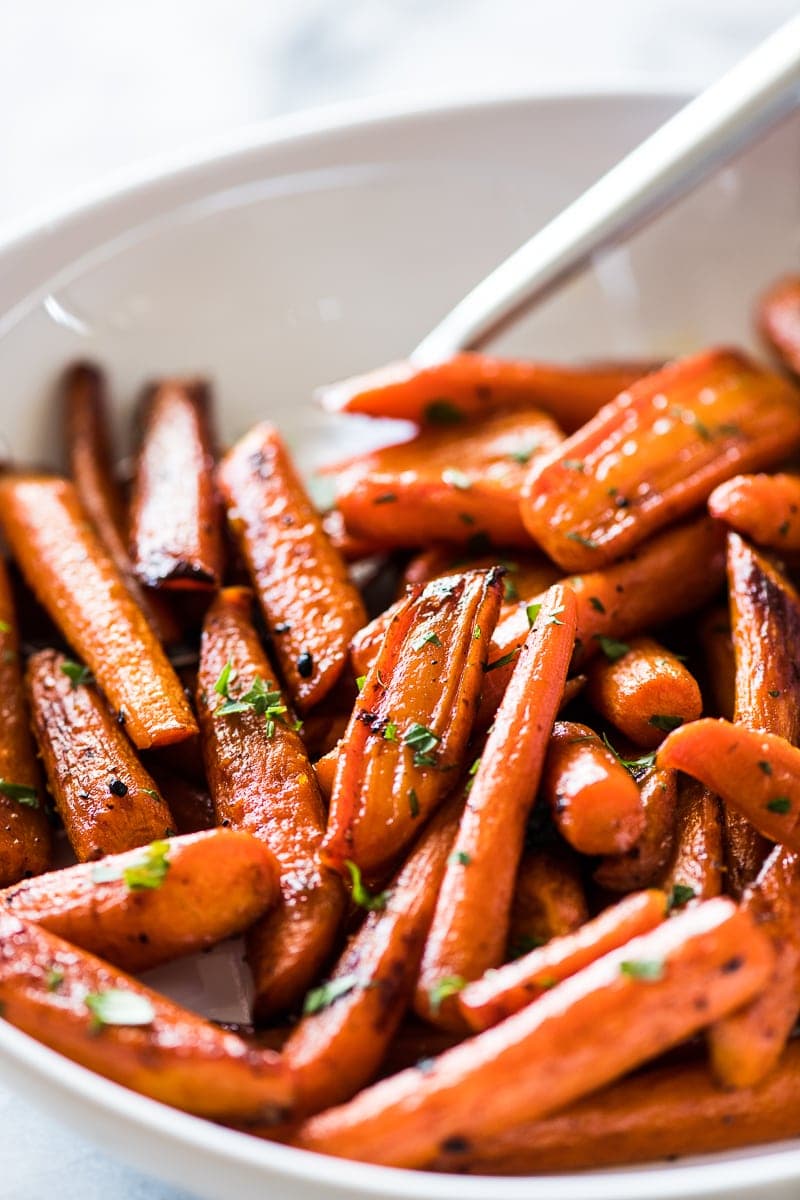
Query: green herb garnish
x,y
648,969
597,604
502,662
76,673
574,536
442,412
451,985
118,1007
324,995
459,858
532,611
680,895
361,895
781,804
423,742
665,722
611,647
21,792
426,639
413,803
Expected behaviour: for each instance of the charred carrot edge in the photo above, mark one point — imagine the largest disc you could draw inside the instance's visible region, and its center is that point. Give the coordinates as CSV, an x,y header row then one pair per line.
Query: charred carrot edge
x,y
695,867
657,452
470,926
756,773
469,385
311,607
262,782
719,677
338,1047
191,805
594,800
500,993
70,1000
746,1045
549,898
82,393
765,508
148,906
662,1113
76,581
412,720
176,530
644,864
25,839
609,1018
645,691
778,321
103,794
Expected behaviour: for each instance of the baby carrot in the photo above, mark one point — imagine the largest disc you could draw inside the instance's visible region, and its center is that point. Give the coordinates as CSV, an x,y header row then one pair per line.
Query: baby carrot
x,y
526,574
549,899
778,320
644,864
765,508
643,689
695,865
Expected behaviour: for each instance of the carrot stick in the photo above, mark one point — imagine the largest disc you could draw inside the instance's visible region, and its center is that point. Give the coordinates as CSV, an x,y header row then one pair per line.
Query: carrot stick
x,y
150,905
412,719
765,508
549,900
645,862
82,590
595,802
643,689
499,994
720,663
655,453
470,927
470,385
262,782
338,1047
325,771
309,604
460,486
526,574
617,1013
695,865
82,398
778,321
176,532
106,1021
25,840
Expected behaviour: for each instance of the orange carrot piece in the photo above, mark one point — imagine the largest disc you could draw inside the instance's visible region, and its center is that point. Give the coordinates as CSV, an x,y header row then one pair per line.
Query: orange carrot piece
x,y
526,574
643,689
617,1013
311,607
720,663
765,508
262,782
778,320
470,385
412,719
499,994
460,486
470,927
325,771
549,899
595,802
695,865
176,530
657,452
351,548
645,862
76,581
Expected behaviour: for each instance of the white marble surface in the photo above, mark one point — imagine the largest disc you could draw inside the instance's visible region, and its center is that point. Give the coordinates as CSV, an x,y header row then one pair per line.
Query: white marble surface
x,y
91,86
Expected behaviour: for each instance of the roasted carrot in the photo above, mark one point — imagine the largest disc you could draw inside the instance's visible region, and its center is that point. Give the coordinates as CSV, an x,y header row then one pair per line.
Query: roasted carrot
x,y
190,804
655,453
594,800
470,927
500,993
549,898
176,530
25,841
661,1113
778,320
525,574
325,771
76,581
643,689
471,385
719,661
460,486
104,796
105,1020
87,437
765,508
696,863
301,581
351,548
339,1045
412,719
617,1013
261,781
645,862
157,903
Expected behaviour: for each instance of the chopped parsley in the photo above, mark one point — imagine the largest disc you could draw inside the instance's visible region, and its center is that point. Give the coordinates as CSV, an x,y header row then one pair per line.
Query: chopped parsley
x,y
76,673
21,792
680,895
361,895
523,456
611,647
5,627
532,611
390,732
423,742
260,699
645,762
53,979
665,722
145,874
510,591
780,804
426,639
413,802
503,661
459,858
574,536
597,604
450,985
573,464
118,1007
765,767
324,995
442,412
362,679
648,969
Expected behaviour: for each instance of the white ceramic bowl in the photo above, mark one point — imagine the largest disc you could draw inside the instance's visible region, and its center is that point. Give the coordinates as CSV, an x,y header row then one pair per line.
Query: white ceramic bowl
x,y
318,247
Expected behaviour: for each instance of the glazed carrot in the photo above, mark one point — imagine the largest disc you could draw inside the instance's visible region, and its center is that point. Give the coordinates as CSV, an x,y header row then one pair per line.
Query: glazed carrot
x,y
645,862
471,385
617,1013
351,548
655,453
720,663
765,508
339,1045
262,782
549,900
595,802
500,993
470,926
190,804
301,581
756,773
412,719
153,904
778,320
460,486
25,841
526,574
176,531
325,771
82,590
695,865
106,1021
104,796
661,1113
82,396
643,689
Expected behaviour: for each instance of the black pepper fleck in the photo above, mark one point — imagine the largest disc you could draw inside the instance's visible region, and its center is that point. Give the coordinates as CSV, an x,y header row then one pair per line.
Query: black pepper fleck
x,y
118,788
305,665
455,1145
